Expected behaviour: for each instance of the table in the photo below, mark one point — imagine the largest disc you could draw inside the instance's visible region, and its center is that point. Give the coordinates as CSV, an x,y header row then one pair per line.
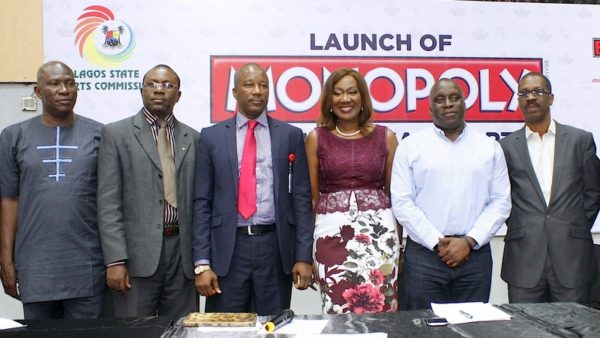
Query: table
x,y
90,328
564,320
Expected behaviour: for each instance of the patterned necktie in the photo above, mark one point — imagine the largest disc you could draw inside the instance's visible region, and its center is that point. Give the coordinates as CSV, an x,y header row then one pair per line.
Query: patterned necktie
x,y
247,184
167,163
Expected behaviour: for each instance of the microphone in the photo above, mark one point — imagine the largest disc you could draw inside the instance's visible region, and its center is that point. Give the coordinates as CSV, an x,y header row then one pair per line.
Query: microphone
x,y
280,320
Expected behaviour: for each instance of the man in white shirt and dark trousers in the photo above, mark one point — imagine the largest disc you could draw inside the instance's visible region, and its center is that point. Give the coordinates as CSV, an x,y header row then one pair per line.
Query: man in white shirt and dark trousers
x,y
451,193
554,174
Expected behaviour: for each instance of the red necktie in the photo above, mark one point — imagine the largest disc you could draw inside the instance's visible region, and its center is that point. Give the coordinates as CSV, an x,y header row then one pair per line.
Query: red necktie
x,y
247,185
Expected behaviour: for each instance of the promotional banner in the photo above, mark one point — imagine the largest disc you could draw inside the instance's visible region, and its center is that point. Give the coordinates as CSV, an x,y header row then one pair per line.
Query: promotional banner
x,y
400,47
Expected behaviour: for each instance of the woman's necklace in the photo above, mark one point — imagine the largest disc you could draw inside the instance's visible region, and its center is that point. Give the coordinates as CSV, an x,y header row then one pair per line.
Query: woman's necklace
x,y
346,134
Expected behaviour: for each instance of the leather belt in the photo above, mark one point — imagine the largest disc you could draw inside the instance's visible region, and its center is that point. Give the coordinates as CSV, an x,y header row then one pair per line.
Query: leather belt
x,y
171,230
258,229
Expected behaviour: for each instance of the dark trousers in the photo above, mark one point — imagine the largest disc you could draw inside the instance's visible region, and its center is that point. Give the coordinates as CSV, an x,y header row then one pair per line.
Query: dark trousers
x,y
548,289
427,279
255,281
83,307
166,293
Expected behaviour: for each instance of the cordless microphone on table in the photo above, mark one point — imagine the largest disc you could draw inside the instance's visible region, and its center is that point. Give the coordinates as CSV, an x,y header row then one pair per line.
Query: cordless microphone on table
x,y
280,320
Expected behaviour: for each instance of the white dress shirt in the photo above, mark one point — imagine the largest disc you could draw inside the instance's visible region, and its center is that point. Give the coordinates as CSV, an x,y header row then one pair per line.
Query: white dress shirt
x,y
440,187
541,153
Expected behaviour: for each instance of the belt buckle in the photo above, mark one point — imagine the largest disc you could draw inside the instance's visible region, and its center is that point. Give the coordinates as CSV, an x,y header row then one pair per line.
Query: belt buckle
x,y
249,231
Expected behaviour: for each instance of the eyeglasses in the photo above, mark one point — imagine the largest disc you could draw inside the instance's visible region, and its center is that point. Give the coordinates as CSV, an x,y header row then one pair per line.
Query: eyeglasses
x,y
536,93
158,85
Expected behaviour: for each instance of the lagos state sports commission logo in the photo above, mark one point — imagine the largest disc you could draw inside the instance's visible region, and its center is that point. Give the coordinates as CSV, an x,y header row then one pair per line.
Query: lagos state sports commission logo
x,y
101,39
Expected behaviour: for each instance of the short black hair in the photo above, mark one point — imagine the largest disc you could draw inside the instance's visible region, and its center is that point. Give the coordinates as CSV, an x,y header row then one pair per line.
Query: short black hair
x,y
163,66
546,80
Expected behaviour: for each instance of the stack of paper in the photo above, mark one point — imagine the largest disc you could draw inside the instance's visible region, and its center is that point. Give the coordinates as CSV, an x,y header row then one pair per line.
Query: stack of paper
x,y
458,313
6,324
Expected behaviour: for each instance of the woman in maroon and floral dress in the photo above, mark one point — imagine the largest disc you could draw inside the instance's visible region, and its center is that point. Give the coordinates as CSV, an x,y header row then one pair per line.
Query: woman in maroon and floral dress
x,y
357,244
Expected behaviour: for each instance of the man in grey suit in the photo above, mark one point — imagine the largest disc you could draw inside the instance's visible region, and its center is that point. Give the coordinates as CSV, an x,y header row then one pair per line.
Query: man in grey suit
x,y
249,246
554,175
145,204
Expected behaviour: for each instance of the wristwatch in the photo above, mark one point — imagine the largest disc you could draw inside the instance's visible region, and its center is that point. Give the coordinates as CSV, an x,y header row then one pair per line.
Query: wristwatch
x,y
201,268
470,242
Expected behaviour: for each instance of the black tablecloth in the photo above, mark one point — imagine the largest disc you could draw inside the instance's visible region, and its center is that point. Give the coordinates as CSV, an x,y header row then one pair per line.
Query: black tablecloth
x,y
91,328
529,320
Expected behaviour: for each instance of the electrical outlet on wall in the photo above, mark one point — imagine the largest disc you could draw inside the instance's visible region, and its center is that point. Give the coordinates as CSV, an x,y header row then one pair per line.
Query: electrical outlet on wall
x,y
29,103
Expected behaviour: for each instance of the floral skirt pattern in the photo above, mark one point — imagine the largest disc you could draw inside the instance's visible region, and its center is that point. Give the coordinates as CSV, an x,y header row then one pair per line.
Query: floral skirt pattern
x,y
356,255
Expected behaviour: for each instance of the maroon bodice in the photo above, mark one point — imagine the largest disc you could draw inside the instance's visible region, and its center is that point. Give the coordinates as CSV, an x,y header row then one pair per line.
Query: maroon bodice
x,y
347,165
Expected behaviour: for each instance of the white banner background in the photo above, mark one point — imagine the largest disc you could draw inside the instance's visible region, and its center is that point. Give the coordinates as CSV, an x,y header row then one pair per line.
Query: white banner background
x,y
186,33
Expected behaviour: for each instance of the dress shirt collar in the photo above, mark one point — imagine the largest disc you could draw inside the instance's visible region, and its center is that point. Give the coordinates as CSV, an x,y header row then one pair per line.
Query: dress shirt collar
x,y
442,134
241,120
153,119
551,130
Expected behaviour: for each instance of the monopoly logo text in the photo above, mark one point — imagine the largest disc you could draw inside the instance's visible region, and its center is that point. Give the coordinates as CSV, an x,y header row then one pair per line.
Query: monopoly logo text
x,y
399,86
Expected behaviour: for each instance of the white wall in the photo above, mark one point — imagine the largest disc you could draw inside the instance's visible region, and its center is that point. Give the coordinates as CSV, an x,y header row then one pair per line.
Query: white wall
x,y
10,103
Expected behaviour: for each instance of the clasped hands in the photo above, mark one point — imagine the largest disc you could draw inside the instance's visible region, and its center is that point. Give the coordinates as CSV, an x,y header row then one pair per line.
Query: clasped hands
x,y
455,251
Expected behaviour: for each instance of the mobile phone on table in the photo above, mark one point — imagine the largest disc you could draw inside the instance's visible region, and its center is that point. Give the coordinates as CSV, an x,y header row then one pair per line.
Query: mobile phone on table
x,y
435,321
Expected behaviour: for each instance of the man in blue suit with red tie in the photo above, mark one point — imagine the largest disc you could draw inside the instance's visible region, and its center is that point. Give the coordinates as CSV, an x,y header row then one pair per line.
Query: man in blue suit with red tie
x,y
252,225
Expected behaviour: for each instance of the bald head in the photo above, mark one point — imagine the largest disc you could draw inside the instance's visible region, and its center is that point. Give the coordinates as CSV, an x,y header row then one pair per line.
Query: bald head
x,y
444,82
249,67
52,67
251,90
447,107
57,89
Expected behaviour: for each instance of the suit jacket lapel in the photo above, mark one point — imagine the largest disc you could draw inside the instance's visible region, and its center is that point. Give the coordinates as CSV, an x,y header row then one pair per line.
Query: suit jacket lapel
x,y
275,149
144,136
229,136
182,144
523,151
560,152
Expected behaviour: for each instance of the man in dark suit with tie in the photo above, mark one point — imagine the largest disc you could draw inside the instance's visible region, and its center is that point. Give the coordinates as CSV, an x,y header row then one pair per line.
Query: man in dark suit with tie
x,y
554,175
145,186
252,225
